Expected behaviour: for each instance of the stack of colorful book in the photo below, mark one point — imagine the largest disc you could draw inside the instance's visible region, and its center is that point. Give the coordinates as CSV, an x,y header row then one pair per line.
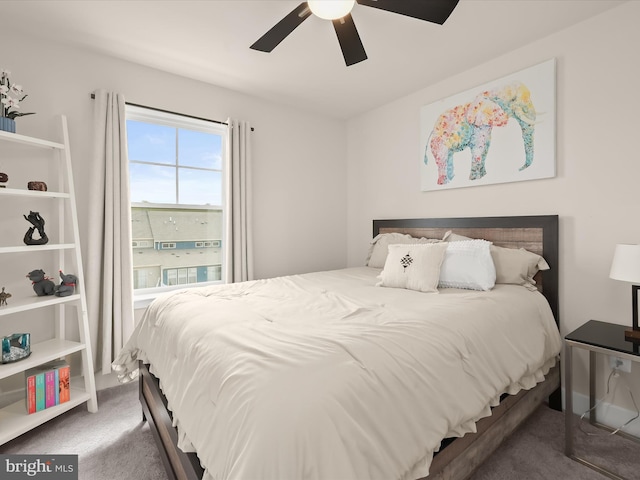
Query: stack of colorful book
x,y
47,385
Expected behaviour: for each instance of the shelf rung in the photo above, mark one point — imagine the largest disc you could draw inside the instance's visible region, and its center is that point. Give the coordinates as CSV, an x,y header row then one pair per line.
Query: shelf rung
x,y
41,352
33,302
24,139
20,192
37,248
15,421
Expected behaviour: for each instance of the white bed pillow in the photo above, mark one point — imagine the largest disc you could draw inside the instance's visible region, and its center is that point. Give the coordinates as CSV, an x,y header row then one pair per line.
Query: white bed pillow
x,y
380,246
468,264
413,266
515,266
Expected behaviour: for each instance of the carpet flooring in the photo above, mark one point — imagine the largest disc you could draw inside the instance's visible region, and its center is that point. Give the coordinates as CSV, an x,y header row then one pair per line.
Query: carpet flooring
x,y
114,444
536,451
111,444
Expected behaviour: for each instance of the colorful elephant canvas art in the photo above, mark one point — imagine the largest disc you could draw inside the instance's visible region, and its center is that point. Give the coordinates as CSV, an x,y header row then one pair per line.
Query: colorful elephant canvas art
x,y
500,132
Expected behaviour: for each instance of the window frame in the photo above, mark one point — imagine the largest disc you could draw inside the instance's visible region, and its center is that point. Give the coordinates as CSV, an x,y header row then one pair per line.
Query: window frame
x,y
143,296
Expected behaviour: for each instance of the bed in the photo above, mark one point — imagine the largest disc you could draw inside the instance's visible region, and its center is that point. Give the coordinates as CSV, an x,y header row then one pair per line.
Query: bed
x,y
328,375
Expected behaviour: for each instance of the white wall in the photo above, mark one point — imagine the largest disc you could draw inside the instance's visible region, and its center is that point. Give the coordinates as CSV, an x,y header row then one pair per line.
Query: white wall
x,y
300,190
299,181
299,177
598,164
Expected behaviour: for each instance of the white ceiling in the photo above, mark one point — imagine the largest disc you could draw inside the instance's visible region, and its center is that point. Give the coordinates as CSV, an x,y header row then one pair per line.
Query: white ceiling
x,y
209,40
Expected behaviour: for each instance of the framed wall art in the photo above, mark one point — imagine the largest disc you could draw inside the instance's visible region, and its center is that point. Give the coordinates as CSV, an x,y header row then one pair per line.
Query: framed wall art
x,y
502,131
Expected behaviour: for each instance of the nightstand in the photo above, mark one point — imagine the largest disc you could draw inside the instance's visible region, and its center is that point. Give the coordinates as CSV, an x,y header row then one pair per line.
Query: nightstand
x,y
596,337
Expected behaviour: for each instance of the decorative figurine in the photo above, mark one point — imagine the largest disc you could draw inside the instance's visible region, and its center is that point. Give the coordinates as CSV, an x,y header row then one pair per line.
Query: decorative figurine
x,y
40,186
15,347
38,224
4,178
3,297
42,285
67,286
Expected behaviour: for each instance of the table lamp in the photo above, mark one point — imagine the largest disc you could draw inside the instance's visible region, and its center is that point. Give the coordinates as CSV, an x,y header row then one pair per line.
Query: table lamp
x,y
626,267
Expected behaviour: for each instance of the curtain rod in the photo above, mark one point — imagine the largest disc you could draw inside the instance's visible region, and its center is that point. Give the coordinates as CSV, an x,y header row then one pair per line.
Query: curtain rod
x,y
93,96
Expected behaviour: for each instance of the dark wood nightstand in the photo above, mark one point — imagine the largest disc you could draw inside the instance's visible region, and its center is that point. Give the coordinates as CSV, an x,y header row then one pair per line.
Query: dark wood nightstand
x,y
596,337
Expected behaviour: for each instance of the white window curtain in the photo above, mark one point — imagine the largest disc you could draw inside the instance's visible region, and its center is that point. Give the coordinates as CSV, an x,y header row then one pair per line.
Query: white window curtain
x,y
108,259
239,242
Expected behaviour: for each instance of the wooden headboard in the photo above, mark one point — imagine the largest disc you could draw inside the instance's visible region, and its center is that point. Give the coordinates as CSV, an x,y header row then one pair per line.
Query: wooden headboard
x,y
536,233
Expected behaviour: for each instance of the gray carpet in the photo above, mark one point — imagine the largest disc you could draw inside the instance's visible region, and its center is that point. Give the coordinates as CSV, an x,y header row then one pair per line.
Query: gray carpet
x,y
536,451
115,444
111,444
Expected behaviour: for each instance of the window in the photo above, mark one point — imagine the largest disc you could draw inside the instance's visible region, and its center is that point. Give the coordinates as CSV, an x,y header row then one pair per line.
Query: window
x,y
142,243
210,244
176,175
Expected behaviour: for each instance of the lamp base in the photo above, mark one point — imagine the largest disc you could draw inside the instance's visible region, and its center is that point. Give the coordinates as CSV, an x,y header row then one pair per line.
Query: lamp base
x,y
632,336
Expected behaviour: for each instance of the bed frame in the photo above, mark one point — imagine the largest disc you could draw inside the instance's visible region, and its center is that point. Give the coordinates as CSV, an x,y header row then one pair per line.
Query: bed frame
x,y
459,457
538,234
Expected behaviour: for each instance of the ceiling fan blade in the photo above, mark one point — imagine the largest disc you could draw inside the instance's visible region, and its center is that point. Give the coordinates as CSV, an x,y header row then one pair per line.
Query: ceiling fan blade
x,y
350,43
436,11
282,29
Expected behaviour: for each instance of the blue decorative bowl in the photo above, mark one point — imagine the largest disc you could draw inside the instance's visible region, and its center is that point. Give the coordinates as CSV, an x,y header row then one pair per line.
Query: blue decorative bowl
x,y
15,347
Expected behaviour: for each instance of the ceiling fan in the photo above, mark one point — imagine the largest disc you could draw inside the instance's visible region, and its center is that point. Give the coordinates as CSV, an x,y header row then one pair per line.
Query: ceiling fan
x,y
338,11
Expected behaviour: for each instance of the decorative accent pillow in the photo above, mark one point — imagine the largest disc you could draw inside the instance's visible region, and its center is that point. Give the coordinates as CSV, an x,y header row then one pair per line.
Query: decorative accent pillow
x,y
379,246
515,266
413,266
468,264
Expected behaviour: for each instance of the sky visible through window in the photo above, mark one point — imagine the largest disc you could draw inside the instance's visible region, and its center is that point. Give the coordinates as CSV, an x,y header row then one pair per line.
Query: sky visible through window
x,y
172,165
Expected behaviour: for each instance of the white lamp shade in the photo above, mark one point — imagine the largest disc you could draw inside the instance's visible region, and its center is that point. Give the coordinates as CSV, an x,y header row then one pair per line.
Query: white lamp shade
x,y
330,9
626,263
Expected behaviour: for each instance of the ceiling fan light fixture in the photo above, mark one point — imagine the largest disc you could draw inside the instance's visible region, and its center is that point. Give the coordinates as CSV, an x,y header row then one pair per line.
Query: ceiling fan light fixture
x,y
330,9
339,12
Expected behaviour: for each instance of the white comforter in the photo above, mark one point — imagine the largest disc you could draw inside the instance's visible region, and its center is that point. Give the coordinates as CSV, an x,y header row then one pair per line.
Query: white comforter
x,y
326,376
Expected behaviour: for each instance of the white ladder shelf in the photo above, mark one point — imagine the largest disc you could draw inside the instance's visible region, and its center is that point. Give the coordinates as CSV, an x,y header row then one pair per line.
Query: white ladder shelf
x,y
14,419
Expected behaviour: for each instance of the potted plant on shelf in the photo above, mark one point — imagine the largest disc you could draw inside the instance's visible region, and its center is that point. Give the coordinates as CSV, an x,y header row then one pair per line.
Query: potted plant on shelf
x,y
11,94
